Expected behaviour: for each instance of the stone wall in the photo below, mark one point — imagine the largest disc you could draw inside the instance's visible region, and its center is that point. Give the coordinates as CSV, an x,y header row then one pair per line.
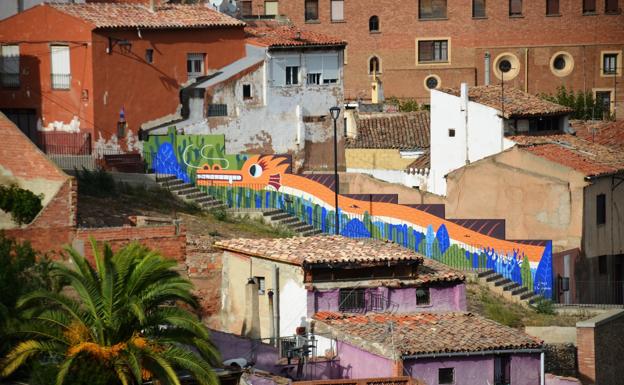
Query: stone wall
x,y
560,359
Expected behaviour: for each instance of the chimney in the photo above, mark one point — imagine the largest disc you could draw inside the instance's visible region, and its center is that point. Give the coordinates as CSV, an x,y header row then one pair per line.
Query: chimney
x,y
251,328
487,68
152,5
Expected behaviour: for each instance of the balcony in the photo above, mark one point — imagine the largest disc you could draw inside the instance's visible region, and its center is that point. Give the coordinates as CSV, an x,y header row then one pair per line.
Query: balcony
x,y
60,81
10,80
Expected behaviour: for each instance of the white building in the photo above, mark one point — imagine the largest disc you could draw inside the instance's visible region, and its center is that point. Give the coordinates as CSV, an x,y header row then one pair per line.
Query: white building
x,y
274,100
468,125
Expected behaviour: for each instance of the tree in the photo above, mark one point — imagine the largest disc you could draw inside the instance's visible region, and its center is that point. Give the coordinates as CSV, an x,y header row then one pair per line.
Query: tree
x,y
126,321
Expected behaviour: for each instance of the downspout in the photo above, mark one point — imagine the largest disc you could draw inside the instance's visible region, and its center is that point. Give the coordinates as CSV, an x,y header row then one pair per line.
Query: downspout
x,y
542,375
487,68
526,70
272,317
464,109
276,304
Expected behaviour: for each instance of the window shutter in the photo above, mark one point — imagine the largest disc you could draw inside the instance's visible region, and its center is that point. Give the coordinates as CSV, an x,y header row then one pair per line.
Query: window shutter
x,y
515,7
611,6
330,67
589,5
478,8
314,64
60,60
425,50
278,72
337,10
10,59
552,7
271,8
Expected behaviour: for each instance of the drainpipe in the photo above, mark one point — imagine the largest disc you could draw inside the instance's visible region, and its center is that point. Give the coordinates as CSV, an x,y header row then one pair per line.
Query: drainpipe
x,y
271,316
276,304
526,70
487,68
542,375
464,109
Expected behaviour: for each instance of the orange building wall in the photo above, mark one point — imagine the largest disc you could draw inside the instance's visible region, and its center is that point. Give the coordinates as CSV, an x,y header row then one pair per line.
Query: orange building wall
x,y
583,36
34,30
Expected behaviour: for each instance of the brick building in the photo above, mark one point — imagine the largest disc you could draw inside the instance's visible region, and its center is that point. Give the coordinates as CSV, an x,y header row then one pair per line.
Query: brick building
x,y
110,63
416,45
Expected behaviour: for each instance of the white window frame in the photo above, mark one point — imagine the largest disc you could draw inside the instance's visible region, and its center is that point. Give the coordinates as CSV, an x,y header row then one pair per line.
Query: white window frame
x,y
60,67
325,67
337,14
280,65
194,57
271,3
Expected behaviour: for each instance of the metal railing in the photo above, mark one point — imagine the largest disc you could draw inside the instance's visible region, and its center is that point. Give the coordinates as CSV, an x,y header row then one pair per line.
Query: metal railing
x,y
597,292
60,81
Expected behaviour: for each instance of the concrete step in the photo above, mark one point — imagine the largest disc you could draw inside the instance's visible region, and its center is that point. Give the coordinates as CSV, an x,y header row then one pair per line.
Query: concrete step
x,y
493,277
195,195
206,198
510,286
279,216
181,186
300,226
526,295
170,182
311,232
288,221
187,191
486,273
166,178
519,291
212,205
269,213
502,282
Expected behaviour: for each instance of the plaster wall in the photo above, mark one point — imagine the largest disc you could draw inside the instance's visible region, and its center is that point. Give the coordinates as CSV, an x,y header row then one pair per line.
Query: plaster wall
x,y
356,183
390,176
537,198
357,363
231,346
475,137
379,159
607,238
237,268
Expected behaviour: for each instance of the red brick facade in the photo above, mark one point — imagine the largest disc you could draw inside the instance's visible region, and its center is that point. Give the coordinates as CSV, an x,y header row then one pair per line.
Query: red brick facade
x,y
534,38
600,346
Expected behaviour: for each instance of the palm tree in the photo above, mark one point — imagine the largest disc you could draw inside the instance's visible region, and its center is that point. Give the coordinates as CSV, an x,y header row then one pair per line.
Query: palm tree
x,y
128,317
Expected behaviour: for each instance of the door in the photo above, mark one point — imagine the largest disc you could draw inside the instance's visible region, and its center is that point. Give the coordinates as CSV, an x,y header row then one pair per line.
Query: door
x,y
603,99
25,119
502,370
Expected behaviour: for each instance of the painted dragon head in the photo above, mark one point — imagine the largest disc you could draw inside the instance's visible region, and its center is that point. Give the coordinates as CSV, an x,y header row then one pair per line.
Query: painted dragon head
x,y
258,170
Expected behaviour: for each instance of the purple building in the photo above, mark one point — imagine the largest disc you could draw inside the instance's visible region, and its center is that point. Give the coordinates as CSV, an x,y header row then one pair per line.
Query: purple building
x,y
433,348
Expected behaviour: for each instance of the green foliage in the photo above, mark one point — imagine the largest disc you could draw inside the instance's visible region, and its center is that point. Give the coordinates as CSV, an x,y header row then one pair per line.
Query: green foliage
x,y
543,306
23,205
118,324
219,213
404,105
97,183
583,103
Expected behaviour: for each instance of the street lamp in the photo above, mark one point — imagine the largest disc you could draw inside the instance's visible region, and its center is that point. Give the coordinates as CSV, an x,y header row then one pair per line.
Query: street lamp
x,y
335,113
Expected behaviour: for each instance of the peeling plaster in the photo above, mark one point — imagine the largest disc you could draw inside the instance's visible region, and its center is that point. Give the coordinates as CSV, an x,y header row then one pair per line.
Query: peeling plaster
x,y
73,126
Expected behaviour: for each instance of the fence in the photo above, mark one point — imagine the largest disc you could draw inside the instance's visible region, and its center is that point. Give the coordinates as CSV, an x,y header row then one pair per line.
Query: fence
x,y
598,292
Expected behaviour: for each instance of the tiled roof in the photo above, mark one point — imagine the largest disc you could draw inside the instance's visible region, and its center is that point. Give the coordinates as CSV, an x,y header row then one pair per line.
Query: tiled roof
x,y
424,333
320,249
609,134
434,272
588,158
517,103
403,131
270,33
126,15
420,163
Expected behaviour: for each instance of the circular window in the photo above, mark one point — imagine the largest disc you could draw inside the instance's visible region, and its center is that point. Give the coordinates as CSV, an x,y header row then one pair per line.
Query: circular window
x,y
432,82
506,66
561,64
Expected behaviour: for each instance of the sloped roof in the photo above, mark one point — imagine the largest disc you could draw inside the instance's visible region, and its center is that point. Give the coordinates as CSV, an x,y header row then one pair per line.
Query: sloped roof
x,y
609,134
517,104
420,163
272,34
591,159
424,333
402,131
138,15
320,249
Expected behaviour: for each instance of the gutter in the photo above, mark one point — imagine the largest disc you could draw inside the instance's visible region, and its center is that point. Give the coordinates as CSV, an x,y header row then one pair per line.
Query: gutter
x,y
467,354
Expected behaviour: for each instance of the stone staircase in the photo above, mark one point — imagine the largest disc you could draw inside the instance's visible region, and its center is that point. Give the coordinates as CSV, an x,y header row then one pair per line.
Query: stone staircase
x,y
508,288
279,217
188,192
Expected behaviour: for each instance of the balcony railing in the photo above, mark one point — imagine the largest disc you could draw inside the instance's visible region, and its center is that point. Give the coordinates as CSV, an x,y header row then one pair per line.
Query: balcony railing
x,y
10,80
61,81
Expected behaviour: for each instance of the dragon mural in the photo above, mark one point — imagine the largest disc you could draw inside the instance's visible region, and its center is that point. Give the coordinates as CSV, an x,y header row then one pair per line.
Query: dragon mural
x,y
265,181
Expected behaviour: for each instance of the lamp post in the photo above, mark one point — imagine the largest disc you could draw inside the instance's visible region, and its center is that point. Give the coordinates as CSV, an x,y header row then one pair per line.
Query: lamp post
x,y
335,113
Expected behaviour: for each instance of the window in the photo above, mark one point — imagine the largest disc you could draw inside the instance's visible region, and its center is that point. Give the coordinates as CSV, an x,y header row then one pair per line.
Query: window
x,y
609,63
10,66
149,55
311,10
612,6
352,300
422,293
373,24
562,63
246,8
446,376
478,8
432,51
61,73
292,75
285,70
544,124
247,91
589,6
195,65
506,66
322,69
602,264
373,65
217,110
432,82
451,132
603,99
515,7
552,7
502,370
601,209
261,285
271,8
337,10
432,9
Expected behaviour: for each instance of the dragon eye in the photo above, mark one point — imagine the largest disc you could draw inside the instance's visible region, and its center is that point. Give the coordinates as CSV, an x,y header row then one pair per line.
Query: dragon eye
x,y
255,170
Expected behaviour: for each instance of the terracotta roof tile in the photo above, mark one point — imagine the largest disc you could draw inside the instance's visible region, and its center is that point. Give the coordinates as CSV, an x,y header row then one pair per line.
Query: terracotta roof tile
x,y
320,249
424,333
273,34
517,103
403,131
421,163
609,134
127,15
589,158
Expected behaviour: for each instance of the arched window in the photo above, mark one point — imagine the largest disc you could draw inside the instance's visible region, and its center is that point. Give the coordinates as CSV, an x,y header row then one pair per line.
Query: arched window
x,y
373,24
373,65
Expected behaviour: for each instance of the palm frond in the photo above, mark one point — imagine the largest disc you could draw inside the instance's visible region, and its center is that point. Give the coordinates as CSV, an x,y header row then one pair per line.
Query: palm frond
x,y
23,352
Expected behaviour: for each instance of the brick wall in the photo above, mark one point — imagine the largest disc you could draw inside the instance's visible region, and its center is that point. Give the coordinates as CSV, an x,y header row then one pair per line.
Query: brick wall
x,y
600,346
203,266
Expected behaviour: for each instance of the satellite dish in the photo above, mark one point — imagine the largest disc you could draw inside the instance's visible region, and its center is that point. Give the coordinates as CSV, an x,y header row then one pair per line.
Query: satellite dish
x,y
231,7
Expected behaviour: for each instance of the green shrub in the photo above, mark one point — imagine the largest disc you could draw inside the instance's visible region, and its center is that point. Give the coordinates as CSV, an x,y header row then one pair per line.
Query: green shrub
x,y
404,105
543,306
219,213
583,104
97,183
23,205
